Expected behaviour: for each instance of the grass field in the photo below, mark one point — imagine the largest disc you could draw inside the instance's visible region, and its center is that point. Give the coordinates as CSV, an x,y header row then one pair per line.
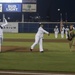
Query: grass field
x,y
28,36
57,58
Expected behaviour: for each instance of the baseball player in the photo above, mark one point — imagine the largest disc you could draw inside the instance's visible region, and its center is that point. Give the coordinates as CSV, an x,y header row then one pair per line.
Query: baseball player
x,y
66,31
62,31
56,31
73,27
71,36
38,38
1,32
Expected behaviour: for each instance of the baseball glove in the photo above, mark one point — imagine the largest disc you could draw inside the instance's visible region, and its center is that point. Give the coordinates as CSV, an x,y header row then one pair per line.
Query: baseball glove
x,y
70,36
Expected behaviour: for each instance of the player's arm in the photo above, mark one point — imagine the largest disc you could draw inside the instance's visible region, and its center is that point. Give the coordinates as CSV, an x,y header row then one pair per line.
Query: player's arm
x,y
54,29
5,23
45,31
58,30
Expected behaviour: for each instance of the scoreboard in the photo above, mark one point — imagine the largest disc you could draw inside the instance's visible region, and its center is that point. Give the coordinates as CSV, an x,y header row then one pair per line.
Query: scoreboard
x,y
18,5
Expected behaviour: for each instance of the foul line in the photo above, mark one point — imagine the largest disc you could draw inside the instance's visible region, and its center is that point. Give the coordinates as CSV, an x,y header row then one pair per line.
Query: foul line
x,y
29,73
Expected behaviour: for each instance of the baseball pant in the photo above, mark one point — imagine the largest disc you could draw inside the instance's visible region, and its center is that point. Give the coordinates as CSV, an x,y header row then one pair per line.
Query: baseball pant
x,y
66,35
1,40
38,40
62,34
56,34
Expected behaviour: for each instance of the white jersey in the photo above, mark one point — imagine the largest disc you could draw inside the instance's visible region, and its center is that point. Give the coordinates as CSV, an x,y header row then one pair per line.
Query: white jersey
x,y
1,30
62,30
74,28
66,30
56,30
41,31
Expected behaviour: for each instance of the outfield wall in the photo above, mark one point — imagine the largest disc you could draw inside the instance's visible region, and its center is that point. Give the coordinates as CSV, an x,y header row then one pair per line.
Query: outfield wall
x,y
11,27
32,27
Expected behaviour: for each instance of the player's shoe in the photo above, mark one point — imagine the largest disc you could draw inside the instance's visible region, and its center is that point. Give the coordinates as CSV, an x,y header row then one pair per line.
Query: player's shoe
x,y
41,51
31,49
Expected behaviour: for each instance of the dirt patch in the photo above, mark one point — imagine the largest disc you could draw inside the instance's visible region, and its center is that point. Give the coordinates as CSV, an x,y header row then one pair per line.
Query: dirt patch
x,y
32,40
15,49
26,49
18,49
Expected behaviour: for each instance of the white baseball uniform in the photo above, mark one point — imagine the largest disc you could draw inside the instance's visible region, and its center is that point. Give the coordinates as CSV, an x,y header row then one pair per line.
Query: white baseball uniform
x,y
56,31
73,27
66,32
1,32
62,32
38,38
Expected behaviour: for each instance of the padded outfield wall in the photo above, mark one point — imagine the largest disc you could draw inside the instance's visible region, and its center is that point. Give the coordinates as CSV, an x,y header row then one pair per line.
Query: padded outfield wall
x,y
32,27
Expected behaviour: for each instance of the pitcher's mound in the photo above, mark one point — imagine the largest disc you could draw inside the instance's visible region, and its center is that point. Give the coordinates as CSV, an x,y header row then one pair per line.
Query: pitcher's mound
x,y
17,49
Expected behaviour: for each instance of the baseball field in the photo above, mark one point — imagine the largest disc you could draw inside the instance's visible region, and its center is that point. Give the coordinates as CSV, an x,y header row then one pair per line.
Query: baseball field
x,y
16,55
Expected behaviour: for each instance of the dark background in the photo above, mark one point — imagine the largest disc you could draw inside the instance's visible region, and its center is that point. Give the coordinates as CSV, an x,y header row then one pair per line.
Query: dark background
x,y
48,11
50,8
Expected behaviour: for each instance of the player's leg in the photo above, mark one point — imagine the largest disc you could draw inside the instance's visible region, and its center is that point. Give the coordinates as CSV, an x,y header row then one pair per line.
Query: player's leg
x,y
72,44
0,47
62,35
40,45
36,42
56,35
66,35
1,43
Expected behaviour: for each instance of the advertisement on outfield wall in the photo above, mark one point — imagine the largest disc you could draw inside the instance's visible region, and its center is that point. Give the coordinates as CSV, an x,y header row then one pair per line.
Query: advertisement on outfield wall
x,y
11,7
11,28
29,8
0,7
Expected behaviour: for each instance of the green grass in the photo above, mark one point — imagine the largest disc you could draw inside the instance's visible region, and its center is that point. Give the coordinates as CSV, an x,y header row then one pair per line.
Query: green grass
x,y
48,61
57,58
28,36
